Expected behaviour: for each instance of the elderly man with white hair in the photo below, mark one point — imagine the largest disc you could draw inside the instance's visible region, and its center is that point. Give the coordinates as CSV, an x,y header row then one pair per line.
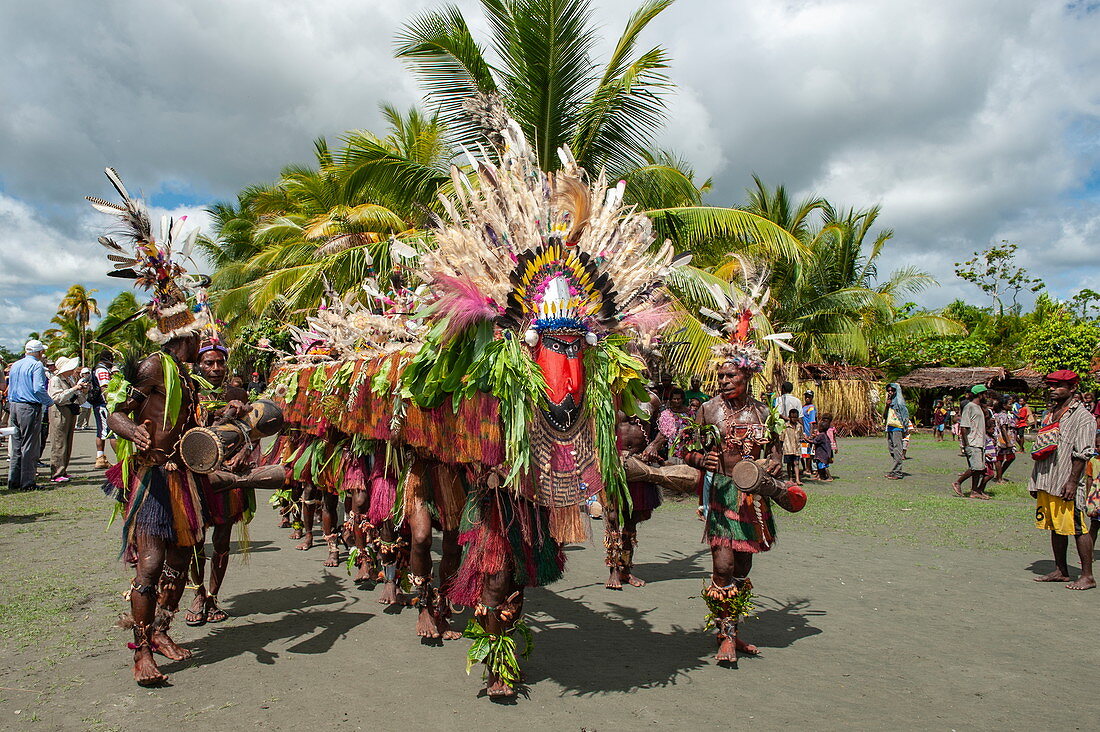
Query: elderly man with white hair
x,y
28,401
68,393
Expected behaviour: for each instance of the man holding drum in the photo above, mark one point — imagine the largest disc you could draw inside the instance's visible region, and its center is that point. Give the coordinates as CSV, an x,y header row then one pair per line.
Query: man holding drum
x,y
222,509
735,431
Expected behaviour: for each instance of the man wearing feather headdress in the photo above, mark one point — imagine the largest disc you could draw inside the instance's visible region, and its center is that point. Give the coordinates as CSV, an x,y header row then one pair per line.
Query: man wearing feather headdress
x,y
537,277
218,401
738,524
160,499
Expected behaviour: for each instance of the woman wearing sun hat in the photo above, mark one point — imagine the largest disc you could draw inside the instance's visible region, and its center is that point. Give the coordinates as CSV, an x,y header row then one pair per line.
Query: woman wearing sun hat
x,y
68,393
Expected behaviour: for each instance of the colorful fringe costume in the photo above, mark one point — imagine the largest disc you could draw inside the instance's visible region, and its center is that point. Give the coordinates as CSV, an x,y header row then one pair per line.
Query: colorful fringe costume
x,y
738,520
158,502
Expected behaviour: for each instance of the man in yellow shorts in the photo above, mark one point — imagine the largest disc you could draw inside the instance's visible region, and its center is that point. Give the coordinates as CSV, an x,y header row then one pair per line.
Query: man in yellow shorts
x,y
1065,442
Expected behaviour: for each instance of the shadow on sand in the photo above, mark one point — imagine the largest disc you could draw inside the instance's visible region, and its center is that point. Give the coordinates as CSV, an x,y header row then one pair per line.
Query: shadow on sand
x,y
25,518
619,650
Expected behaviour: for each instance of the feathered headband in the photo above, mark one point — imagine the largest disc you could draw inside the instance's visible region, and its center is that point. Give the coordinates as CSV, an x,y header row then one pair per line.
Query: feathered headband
x,y
536,251
732,320
154,266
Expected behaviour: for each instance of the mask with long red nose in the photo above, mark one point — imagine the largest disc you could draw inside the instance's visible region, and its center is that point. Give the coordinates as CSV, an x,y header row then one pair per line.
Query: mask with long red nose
x,y
559,356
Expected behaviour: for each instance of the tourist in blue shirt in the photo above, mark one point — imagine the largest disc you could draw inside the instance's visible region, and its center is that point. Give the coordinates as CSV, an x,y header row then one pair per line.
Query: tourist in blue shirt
x,y
28,401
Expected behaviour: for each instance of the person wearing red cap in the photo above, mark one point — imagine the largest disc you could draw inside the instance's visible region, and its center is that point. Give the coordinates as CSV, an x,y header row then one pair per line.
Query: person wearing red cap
x,y
1063,445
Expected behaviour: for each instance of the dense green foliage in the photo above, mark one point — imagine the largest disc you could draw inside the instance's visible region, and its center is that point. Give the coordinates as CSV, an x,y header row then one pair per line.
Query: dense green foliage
x,y
1061,341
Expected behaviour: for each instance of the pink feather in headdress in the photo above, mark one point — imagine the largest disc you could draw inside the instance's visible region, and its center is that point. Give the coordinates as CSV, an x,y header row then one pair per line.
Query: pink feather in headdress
x,y
462,303
649,320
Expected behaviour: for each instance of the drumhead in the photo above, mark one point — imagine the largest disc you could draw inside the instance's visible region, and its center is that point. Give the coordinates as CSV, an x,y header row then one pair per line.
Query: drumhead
x,y
746,475
201,450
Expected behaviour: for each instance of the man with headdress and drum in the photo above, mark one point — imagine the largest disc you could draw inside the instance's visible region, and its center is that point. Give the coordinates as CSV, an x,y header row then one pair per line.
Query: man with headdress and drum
x,y
160,498
742,463
222,509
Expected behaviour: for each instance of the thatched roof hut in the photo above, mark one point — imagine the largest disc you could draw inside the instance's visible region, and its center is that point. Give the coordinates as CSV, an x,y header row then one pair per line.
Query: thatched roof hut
x,y
933,382
851,393
942,378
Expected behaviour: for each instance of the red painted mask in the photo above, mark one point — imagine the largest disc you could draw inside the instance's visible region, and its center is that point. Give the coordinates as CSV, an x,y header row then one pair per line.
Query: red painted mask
x,y
559,357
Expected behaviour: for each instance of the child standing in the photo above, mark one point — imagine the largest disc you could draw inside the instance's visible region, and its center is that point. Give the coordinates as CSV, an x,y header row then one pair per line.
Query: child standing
x,y
792,440
823,447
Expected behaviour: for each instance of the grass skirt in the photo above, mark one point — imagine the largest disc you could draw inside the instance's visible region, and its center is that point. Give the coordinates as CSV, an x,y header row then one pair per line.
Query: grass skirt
x,y
738,520
166,504
504,533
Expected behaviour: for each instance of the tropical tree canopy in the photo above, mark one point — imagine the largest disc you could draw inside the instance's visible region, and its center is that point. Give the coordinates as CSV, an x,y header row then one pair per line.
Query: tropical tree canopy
x,y
537,61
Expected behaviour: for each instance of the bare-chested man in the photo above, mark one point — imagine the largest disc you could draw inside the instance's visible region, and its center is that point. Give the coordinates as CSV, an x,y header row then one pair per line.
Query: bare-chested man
x,y
738,524
223,508
621,522
163,511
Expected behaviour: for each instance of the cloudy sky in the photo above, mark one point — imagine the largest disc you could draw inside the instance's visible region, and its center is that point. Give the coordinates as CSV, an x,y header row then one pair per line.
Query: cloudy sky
x,y
969,121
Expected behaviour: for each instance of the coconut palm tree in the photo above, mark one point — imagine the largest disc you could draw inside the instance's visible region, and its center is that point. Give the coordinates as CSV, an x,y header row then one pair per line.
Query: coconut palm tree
x,y
121,332
80,306
543,72
276,247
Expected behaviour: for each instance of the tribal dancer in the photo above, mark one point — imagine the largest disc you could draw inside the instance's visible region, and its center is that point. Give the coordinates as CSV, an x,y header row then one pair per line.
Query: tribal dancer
x,y
224,508
160,500
537,275
435,488
621,522
738,525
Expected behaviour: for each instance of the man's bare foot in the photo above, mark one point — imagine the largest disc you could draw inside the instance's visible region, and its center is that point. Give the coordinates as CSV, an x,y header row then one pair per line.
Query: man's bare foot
x,y
425,625
979,495
957,489
365,573
747,648
196,614
1054,576
498,689
631,579
727,650
285,523
333,559
306,543
146,672
389,595
296,534
1084,582
613,581
167,647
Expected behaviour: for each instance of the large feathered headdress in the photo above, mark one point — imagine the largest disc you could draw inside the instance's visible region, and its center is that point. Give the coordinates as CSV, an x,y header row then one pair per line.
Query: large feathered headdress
x,y
156,265
345,327
532,250
732,319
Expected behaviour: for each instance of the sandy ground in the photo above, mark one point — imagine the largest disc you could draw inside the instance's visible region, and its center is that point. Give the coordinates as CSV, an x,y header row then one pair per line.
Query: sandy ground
x,y
856,632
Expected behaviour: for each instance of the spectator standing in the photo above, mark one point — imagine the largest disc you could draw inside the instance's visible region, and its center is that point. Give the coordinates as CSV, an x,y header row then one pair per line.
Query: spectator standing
x,y
939,420
85,415
897,421
696,391
101,377
823,447
1024,419
1065,442
257,385
28,400
67,393
809,425
1004,432
972,432
787,401
792,441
